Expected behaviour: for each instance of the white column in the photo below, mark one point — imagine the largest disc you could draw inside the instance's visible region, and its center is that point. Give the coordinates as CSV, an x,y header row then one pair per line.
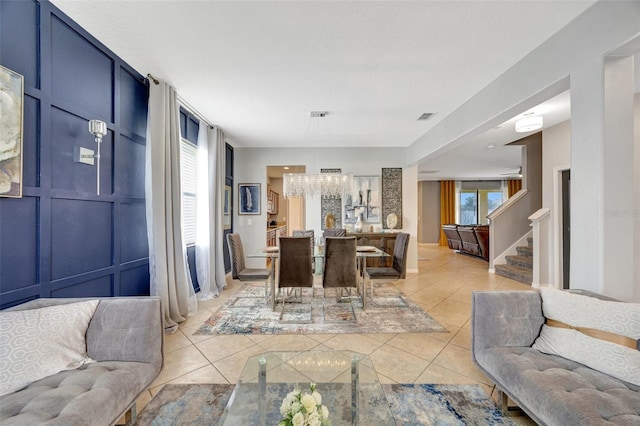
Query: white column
x,y
618,186
602,190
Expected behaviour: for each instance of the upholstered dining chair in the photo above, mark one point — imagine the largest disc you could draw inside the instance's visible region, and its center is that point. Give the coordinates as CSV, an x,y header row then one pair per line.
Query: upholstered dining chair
x,y
295,266
238,269
398,268
307,233
335,232
340,269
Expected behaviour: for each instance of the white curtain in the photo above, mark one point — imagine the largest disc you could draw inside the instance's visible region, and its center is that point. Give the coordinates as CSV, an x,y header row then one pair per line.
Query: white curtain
x,y
210,198
168,268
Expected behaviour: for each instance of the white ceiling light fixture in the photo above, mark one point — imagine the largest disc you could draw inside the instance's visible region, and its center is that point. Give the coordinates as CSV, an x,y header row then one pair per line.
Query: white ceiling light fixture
x,y
333,185
529,124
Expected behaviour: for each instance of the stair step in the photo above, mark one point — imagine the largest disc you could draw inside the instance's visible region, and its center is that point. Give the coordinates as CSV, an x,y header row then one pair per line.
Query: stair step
x,y
530,242
515,273
521,261
525,251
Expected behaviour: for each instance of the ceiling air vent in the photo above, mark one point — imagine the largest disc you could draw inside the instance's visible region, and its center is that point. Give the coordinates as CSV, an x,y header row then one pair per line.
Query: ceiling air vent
x,y
426,116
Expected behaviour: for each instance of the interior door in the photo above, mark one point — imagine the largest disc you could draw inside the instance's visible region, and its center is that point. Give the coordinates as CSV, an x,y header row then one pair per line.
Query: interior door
x,y
295,214
566,227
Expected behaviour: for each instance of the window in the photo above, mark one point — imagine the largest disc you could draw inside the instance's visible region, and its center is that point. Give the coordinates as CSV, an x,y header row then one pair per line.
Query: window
x,y
189,126
477,200
468,207
188,174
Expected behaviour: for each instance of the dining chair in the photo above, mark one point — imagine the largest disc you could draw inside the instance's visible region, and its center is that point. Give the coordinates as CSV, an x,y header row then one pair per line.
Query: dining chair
x,y
307,233
335,232
295,266
238,269
340,269
397,270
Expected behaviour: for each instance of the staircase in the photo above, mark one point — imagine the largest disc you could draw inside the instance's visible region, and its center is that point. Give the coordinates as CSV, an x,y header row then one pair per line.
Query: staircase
x,y
519,267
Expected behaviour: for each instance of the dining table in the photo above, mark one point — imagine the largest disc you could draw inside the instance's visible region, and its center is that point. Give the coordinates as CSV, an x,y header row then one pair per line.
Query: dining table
x,y
362,254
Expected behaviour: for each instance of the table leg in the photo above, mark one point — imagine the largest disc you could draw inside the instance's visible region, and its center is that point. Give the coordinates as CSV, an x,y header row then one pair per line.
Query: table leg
x,y
364,284
262,384
273,283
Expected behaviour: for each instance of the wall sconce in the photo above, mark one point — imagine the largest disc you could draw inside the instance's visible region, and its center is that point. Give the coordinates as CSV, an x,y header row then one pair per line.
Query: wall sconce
x,y
98,128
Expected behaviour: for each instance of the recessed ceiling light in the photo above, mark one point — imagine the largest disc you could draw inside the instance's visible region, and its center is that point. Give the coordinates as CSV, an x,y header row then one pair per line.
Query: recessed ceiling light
x,y
499,126
491,146
286,167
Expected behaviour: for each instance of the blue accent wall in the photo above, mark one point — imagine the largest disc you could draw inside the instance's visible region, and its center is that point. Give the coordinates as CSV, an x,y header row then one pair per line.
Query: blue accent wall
x,y
61,239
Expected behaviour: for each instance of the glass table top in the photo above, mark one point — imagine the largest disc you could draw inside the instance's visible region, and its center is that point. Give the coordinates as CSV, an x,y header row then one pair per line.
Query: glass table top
x,y
346,380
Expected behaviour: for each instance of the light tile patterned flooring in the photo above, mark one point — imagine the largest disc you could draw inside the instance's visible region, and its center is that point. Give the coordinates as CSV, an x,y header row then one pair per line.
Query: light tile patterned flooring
x,y
442,287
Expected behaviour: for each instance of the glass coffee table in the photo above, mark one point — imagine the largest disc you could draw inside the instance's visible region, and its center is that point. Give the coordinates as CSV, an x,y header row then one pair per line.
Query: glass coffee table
x,y
346,380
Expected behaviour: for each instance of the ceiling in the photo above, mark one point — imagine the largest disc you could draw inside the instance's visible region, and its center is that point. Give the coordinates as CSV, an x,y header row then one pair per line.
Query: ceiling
x,y
257,68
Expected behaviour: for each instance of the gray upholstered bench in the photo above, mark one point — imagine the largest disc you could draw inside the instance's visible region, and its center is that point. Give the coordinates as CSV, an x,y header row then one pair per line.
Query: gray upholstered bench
x,y
552,390
124,337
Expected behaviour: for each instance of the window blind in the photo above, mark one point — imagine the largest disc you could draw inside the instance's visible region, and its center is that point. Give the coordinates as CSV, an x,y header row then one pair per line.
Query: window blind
x,y
188,172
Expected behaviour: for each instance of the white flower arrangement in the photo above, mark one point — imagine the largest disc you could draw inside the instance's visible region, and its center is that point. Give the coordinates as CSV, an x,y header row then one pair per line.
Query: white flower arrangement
x,y
304,409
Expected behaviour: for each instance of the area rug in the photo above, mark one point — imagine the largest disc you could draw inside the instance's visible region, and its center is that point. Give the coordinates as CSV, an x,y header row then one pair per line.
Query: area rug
x,y
410,404
248,313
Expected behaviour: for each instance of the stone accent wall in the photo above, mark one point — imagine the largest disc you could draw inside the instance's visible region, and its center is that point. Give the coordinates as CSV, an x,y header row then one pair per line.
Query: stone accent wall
x,y
391,195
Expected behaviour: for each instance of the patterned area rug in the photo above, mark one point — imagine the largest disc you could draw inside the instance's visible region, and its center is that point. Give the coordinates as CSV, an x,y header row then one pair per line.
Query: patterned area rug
x,y
411,405
248,313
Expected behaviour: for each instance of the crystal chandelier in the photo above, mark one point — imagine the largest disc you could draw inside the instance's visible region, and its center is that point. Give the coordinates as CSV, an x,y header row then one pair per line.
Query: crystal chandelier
x,y
332,185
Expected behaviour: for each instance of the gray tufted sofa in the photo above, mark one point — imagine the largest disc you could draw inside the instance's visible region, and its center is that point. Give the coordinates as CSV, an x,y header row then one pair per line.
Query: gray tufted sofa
x,y
550,389
125,337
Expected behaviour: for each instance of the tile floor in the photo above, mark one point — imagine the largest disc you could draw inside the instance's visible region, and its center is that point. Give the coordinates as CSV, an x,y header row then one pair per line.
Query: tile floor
x,y
442,287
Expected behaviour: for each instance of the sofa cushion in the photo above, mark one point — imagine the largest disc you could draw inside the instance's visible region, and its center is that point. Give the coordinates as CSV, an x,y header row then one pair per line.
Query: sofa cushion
x,y
37,343
97,393
558,391
588,312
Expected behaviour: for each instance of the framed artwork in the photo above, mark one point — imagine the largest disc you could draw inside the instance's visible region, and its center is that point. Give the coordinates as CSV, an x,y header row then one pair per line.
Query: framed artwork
x,y
226,220
249,198
11,102
363,199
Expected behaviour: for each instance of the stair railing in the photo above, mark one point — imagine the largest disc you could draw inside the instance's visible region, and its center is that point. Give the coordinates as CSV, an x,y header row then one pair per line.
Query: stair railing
x,y
541,247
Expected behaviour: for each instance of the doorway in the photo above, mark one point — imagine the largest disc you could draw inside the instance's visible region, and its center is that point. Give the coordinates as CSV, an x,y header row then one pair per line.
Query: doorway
x,y
283,215
566,227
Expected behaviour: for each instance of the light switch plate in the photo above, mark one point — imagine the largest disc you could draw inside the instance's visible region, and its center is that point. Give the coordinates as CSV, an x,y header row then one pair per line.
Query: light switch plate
x,y
83,155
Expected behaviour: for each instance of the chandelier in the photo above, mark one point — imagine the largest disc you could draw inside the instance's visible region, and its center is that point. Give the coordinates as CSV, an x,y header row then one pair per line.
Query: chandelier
x,y
332,185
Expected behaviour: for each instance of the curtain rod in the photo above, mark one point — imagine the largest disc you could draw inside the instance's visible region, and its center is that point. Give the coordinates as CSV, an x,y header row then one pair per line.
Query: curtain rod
x,y
184,103
193,111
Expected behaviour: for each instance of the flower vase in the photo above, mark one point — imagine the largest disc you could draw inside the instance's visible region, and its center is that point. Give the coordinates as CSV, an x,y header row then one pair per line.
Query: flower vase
x,y
358,227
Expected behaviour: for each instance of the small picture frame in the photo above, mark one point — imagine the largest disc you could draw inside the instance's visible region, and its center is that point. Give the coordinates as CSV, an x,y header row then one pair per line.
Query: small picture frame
x,y
249,198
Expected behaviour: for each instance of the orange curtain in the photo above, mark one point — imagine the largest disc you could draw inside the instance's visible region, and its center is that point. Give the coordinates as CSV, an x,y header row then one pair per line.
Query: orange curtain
x,y
513,186
447,206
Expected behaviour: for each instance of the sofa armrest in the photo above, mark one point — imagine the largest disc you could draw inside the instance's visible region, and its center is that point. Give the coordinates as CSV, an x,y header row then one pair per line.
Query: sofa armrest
x,y
505,318
127,329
